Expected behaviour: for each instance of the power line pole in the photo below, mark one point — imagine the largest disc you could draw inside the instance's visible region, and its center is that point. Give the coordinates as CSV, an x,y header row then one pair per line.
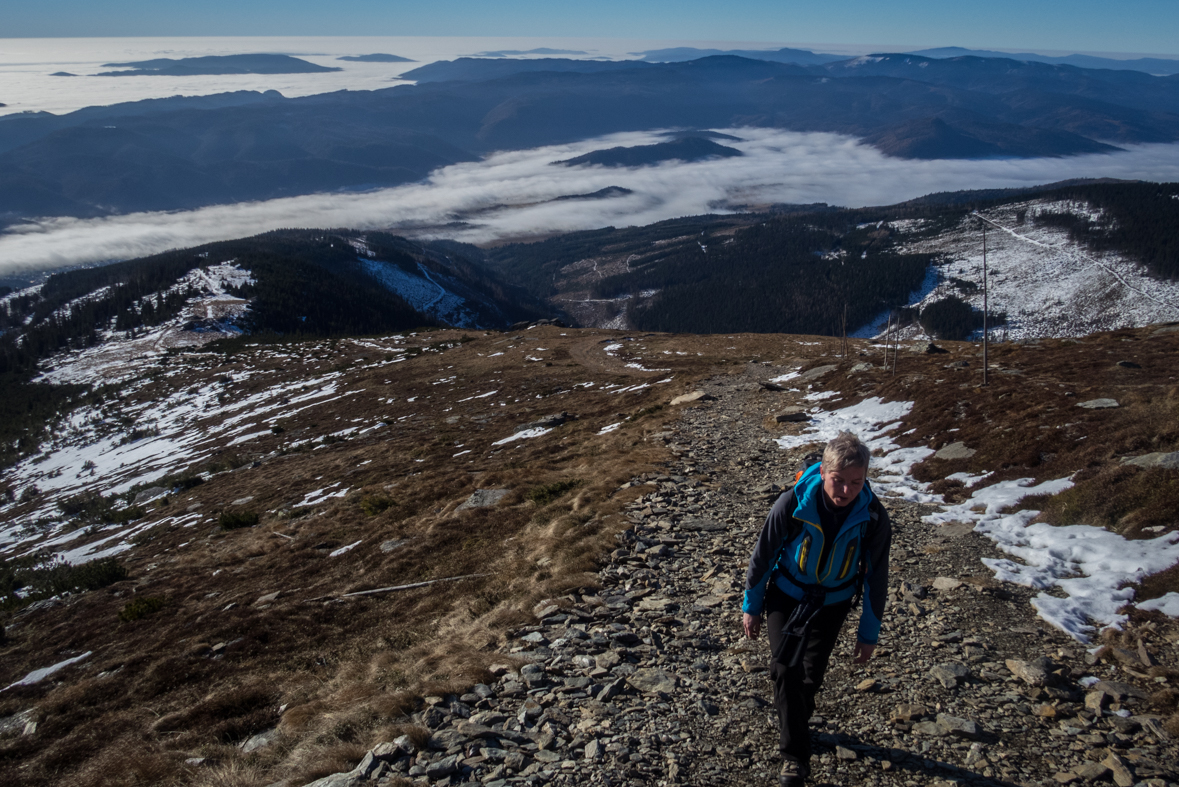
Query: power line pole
x,y
896,344
986,330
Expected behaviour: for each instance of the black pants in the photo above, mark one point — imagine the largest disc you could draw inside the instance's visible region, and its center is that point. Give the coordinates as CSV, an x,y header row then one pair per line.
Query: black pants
x,y
795,687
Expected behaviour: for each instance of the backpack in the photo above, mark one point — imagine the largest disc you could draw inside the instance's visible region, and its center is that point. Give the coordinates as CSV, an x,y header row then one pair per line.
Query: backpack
x,y
874,510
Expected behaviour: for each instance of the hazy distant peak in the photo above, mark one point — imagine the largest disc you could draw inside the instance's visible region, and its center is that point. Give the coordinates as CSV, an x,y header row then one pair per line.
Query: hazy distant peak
x,y
377,57
1149,65
538,51
216,65
784,55
688,148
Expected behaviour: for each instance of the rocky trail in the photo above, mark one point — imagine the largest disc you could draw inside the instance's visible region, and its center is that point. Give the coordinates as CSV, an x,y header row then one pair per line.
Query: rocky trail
x,y
648,680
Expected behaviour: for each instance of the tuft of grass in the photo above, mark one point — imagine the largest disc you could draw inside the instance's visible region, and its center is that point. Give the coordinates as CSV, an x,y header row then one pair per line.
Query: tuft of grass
x,y
141,607
372,505
1158,585
227,715
177,482
547,493
647,411
235,520
227,462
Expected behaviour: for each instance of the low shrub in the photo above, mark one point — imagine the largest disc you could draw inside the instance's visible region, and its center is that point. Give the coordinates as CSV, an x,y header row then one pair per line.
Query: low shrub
x,y
40,579
543,495
372,505
178,482
93,508
234,520
141,607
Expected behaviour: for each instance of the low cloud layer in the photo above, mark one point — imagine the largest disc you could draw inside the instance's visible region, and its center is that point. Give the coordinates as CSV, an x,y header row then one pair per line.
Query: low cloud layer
x,y
508,195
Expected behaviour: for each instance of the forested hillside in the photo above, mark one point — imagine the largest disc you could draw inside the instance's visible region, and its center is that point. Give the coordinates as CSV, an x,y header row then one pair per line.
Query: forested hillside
x,y
801,268
1139,218
306,282
298,284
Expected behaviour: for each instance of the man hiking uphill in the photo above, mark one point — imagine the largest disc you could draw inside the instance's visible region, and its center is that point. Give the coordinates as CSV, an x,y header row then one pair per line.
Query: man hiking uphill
x,y
823,544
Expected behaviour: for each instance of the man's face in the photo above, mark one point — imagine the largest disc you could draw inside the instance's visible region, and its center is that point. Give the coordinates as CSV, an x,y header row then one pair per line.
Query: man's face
x,y
843,486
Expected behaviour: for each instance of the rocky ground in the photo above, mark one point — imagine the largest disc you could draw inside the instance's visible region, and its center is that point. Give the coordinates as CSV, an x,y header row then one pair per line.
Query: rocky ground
x,y
648,680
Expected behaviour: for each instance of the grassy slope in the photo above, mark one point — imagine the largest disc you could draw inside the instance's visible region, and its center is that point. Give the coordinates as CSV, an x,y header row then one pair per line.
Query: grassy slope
x,y
215,664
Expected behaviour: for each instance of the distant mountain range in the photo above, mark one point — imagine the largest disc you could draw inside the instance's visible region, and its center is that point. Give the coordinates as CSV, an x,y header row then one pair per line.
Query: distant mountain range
x,y
1149,65
688,148
786,55
187,152
376,58
474,69
544,50
216,65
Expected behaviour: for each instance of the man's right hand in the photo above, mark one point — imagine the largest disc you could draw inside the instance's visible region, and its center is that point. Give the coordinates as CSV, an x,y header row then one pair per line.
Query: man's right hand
x,y
752,624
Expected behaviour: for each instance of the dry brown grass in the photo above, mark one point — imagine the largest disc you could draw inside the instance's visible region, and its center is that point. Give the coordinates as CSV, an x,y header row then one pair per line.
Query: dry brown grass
x,y
1124,499
215,666
1160,584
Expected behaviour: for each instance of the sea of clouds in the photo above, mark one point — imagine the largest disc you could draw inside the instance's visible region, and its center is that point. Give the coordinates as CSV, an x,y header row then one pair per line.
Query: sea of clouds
x,y
510,195
27,65
507,195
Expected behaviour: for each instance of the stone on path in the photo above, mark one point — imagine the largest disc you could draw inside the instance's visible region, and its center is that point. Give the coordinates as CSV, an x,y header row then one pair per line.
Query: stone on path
x,y
652,681
695,396
1030,674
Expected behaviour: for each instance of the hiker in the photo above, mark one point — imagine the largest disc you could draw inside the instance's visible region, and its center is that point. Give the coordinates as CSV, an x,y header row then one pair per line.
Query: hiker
x,y
824,544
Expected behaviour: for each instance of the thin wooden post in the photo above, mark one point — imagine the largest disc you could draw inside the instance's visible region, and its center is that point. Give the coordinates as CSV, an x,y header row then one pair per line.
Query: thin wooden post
x,y
896,342
986,328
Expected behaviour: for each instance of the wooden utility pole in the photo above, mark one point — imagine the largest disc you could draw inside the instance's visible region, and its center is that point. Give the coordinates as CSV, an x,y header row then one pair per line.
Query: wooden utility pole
x,y
896,344
843,341
986,328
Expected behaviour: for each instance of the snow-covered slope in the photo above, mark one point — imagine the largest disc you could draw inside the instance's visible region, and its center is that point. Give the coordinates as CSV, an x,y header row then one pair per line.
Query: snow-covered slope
x,y
212,314
428,292
1046,284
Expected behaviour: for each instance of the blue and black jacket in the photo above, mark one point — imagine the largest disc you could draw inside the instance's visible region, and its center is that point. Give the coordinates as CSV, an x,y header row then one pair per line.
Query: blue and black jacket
x,y
791,548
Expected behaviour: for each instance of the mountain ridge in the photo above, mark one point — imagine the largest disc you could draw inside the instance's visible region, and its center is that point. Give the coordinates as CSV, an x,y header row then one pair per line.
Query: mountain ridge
x,y
214,65
194,153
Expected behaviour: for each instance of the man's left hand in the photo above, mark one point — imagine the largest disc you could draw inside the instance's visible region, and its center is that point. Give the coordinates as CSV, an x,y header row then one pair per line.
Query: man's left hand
x,y
863,652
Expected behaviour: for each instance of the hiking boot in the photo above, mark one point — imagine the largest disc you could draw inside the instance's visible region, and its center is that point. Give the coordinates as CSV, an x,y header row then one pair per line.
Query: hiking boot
x,y
793,774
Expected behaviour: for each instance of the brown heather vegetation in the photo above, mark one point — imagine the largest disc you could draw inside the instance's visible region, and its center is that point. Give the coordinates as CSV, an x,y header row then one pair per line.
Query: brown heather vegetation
x,y
215,663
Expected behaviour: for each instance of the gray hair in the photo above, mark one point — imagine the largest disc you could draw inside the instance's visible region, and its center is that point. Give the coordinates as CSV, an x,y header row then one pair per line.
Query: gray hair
x,y
845,451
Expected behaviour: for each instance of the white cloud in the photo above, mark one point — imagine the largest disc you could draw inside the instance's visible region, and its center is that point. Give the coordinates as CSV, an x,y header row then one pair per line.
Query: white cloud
x,y
508,195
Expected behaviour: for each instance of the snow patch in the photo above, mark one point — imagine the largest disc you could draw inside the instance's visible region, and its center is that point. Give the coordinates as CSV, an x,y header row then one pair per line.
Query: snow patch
x,y
525,434
38,675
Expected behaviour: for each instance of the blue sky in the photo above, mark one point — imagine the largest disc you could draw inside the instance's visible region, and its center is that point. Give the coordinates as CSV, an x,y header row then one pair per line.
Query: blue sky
x,y
1128,26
